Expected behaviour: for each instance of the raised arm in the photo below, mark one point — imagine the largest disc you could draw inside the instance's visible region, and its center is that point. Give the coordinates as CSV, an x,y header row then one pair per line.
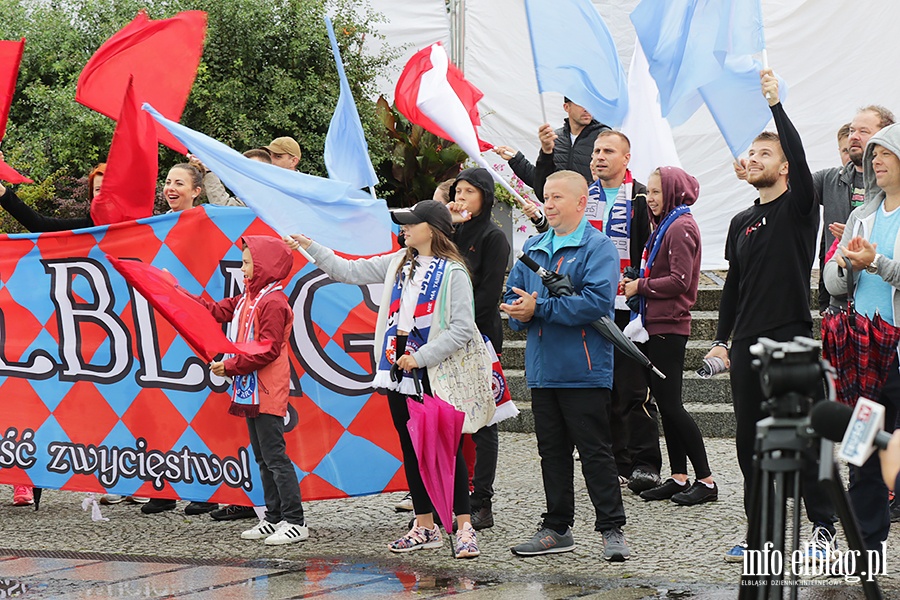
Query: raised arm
x,y
800,179
361,271
35,222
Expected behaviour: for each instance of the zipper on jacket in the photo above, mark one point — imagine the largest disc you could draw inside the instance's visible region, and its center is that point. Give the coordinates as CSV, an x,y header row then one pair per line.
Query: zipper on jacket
x,y
559,264
586,353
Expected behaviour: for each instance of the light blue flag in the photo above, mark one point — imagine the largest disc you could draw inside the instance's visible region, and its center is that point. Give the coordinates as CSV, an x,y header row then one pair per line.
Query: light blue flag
x,y
588,71
736,103
701,51
334,213
346,151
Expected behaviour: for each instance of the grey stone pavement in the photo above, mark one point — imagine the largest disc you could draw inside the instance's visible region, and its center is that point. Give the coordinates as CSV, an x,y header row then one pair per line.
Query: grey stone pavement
x,y
58,552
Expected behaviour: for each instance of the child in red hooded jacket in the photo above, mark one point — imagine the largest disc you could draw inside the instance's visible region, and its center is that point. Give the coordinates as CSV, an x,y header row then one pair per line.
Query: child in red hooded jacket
x,y
262,382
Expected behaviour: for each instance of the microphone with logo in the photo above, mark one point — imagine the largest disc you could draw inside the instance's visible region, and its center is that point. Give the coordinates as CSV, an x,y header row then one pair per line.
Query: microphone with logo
x,y
860,430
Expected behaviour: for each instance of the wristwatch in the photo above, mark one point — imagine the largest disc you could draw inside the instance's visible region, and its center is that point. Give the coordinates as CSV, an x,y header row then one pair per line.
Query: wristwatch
x,y
872,267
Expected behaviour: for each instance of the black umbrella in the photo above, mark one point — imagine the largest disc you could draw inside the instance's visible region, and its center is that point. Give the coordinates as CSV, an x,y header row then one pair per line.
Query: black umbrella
x,y
561,285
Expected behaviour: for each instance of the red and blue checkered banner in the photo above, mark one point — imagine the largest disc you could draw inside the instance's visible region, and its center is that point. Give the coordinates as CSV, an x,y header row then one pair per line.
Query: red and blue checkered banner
x,y
99,394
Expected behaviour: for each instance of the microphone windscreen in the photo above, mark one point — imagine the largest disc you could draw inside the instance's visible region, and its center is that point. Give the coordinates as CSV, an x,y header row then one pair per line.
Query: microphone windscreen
x,y
830,419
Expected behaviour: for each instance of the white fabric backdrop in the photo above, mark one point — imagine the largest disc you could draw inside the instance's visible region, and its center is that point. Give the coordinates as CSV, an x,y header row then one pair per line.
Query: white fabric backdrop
x,y
835,56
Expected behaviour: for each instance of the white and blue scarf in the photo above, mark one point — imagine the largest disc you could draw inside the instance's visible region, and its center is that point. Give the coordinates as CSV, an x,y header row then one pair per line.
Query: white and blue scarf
x,y
618,226
418,336
245,388
635,328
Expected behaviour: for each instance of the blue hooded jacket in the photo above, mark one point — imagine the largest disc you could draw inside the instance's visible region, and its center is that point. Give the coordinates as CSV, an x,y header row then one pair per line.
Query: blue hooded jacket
x,y
563,350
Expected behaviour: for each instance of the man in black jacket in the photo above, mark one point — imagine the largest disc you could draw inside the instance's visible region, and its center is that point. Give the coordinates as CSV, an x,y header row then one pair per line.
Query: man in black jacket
x,y
617,205
567,148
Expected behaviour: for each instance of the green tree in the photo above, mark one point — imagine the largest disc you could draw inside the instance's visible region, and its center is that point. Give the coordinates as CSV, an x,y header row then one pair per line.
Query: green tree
x,y
267,71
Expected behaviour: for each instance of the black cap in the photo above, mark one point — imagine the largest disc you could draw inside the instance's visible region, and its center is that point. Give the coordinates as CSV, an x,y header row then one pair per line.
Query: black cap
x,y
425,211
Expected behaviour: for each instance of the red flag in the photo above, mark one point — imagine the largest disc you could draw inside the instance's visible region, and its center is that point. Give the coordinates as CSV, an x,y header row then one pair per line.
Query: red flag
x,y
163,57
189,318
10,59
129,184
408,95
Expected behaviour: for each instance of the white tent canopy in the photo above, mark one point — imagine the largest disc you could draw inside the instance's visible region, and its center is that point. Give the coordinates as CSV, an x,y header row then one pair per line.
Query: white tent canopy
x,y
835,56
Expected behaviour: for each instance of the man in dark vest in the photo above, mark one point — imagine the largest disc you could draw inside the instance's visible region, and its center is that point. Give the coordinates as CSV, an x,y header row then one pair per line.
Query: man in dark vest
x,y
567,148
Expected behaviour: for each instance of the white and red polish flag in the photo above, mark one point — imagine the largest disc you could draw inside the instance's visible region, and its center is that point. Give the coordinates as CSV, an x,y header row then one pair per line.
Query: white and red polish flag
x,y
433,94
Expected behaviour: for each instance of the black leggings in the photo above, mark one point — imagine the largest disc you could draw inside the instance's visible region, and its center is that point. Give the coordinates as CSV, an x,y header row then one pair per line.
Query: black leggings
x,y
683,437
421,502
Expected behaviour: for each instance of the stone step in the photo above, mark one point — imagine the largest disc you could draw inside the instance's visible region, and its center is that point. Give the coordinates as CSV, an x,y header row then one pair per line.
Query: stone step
x,y
704,324
714,420
696,390
708,297
708,401
514,354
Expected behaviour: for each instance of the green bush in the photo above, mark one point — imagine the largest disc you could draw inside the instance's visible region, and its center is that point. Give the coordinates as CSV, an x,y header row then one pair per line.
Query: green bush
x,y
267,71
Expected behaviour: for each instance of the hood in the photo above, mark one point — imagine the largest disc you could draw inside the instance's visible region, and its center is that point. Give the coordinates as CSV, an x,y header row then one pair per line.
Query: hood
x,y
889,138
481,179
678,187
471,231
272,260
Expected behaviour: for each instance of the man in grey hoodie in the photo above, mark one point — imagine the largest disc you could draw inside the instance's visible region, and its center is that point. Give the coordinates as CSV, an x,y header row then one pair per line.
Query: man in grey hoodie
x,y
871,246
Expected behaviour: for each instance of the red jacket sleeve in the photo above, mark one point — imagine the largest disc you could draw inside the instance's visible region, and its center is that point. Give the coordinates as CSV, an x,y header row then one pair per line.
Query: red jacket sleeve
x,y
223,311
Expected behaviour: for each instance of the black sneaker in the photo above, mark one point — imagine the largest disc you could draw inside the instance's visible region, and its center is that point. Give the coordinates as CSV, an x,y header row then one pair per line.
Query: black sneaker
x,y
895,510
546,541
698,493
665,491
157,505
642,481
482,518
200,508
233,513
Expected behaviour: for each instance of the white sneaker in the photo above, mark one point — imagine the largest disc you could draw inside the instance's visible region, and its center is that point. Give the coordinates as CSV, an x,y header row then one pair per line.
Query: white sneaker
x,y
261,530
821,546
111,499
288,533
405,505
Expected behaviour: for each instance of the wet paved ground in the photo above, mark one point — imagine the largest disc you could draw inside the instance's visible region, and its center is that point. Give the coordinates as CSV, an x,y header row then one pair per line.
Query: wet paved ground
x,y
58,552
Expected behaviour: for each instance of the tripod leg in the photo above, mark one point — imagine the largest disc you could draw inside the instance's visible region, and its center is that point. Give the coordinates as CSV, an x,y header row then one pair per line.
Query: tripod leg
x,y
749,590
830,478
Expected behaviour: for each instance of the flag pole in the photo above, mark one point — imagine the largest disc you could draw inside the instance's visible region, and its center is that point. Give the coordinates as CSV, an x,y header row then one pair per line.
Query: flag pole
x,y
496,176
534,62
762,37
372,191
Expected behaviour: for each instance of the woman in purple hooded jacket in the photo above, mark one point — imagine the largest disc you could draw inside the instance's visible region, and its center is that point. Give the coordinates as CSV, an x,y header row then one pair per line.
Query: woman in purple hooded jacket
x,y
667,288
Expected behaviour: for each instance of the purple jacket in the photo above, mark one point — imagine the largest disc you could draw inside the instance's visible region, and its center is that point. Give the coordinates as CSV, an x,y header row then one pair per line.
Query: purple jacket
x,y
670,287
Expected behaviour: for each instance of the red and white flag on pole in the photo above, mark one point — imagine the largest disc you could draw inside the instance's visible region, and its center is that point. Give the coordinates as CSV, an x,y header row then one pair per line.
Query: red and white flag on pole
x,y
433,94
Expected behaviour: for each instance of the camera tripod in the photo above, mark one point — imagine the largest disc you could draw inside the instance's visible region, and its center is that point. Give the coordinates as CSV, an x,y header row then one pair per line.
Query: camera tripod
x,y
785,446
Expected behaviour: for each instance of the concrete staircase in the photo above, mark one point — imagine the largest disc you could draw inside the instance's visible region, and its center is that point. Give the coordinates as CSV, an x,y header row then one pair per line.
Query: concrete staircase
x,y
708,400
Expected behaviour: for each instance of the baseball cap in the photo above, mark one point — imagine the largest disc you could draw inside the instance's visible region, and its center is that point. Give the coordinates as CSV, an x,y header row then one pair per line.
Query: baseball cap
x,y
425,211
284,145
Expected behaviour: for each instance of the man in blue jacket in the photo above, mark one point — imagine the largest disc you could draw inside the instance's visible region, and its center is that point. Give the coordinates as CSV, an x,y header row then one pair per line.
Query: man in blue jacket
x,y
569,367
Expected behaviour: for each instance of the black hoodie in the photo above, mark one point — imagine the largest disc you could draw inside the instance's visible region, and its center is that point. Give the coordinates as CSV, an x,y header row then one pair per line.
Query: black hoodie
x,y
486,251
